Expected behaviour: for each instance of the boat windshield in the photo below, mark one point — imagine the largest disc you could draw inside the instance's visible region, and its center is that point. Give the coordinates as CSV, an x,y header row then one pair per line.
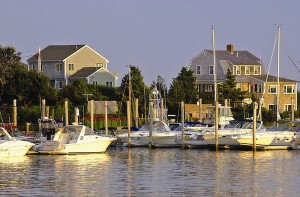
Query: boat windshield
x,y
69,129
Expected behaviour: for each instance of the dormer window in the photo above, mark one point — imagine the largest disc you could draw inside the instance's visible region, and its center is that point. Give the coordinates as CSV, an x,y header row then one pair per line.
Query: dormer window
x,y
238,70
256,70
247,70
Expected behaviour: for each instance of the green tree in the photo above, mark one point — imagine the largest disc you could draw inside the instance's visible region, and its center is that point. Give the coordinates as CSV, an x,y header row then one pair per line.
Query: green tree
x,y
228,90
183,88
9,60
139,91
29,87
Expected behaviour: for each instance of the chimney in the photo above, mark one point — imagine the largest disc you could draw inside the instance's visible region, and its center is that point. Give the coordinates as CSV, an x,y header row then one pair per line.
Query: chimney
x,y
230,48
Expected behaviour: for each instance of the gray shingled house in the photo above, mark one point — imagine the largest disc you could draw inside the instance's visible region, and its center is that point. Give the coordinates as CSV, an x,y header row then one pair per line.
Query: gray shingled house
x,y
250,77
65,63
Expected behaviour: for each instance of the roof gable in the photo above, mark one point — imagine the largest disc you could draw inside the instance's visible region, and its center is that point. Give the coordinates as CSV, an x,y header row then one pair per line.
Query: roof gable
x,y
88,71
56,52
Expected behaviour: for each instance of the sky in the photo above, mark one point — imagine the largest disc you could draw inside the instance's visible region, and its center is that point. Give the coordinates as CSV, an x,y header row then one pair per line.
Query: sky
x,y
158,36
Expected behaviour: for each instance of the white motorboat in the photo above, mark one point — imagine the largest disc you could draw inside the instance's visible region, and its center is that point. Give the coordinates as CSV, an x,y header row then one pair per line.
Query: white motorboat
x,y
10,146
162,136
225,135
280,137
74,139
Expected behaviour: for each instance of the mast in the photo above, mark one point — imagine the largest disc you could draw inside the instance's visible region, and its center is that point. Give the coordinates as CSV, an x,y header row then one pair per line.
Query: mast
x,y
214,69
215,88
278,64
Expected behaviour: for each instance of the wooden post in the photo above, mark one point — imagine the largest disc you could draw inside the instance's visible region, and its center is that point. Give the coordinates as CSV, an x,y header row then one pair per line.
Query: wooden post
x,y
47,111
226,102
92,115
136,113
27,127
128,122
43,109
162,110
200,109
182,123
216,124
66,113
150,123
105,117
254,125
15,112
293,110
76,115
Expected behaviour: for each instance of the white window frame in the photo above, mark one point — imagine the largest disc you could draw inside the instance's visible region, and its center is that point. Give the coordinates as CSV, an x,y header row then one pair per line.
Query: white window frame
x,y
288,107
211,70
100,65
109,84
58,67
71,66
272,87
274,107
198,69
247,70
238,70
256,70
285,89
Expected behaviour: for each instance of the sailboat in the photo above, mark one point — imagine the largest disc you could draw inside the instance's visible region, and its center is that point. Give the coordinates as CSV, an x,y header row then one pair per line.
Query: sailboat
x,y
277,137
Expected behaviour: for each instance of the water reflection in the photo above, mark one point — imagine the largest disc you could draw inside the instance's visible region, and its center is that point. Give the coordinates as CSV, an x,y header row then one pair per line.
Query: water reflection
x,y
153,172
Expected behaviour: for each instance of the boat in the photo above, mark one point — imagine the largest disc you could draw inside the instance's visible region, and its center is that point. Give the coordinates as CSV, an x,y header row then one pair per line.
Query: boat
x,y
162,135
10,146
193,135
74,139
226,135
273,138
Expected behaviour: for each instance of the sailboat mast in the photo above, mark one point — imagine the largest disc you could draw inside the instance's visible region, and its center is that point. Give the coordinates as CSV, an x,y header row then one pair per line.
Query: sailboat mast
x,y
214,68
278,64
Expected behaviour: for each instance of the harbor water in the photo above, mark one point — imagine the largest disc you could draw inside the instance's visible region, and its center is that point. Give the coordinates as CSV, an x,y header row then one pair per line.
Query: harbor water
x,y
153,172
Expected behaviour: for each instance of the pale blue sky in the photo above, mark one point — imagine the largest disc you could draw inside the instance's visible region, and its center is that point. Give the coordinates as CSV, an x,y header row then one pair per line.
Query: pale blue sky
x,y
158,36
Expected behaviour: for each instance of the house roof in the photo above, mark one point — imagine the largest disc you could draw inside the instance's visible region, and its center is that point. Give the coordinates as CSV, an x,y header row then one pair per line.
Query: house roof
x,y
84,72
56,52
237,58
271,78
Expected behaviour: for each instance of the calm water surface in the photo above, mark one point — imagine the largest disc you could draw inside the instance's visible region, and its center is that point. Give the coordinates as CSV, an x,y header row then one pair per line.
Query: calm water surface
x,y
156,172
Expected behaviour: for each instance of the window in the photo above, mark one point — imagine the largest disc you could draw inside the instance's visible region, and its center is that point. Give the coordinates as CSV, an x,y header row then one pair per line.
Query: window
x,y
239,86
109,83
59,85
256,70
71,66
34,66
272,89
247,70
287,107
198,70
273,107
99,65
238,70
257,88
289,89
41,67
211,69
58,67
95,83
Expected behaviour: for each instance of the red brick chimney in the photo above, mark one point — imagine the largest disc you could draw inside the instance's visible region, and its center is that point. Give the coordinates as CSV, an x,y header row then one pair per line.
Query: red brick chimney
x,y
230,48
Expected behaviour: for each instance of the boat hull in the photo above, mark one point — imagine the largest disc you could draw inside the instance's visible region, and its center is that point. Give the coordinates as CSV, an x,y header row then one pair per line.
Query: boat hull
x,y
14,148
55,147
